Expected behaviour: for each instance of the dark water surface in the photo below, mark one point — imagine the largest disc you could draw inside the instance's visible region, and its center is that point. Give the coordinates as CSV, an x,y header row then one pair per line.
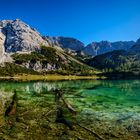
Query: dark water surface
x,y
110,109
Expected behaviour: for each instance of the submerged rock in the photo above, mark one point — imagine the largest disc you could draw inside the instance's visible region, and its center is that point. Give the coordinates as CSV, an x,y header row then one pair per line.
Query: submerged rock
x,y
6,105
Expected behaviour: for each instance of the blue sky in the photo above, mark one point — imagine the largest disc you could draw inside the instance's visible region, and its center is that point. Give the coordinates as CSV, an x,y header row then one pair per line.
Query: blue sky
x,y
86,20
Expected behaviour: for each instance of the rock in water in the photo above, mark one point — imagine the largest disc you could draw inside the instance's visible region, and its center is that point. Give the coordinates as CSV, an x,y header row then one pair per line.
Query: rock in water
x,y
6,103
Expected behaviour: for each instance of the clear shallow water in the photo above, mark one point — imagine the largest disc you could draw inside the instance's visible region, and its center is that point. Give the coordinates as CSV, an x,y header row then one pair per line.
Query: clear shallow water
x,y
99,104
99,96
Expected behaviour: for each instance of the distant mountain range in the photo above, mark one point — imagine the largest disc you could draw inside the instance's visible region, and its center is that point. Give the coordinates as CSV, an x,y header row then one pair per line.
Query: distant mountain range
x,y
119,60
97,48
22,45
93,49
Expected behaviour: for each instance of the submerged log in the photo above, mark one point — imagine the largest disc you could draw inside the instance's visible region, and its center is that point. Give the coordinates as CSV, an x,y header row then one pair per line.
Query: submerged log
x,y
71,109
92,132
59,96
60,117
7,105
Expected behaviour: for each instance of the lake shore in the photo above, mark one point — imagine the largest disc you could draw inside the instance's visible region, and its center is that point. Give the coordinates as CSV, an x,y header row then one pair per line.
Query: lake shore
x,y
49,77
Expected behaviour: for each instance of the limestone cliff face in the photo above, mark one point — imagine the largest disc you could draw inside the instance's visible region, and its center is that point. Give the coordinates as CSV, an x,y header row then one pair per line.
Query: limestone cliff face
x,y
2,40
19,36
39,66
4,57
16,36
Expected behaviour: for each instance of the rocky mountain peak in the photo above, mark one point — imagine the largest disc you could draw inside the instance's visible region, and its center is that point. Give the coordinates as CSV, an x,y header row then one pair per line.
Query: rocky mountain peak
x,y
138,42
3,23
96,48
66,42
20,36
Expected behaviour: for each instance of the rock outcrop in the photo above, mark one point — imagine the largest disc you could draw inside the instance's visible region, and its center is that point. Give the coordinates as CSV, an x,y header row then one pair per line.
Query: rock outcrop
x,y
40,66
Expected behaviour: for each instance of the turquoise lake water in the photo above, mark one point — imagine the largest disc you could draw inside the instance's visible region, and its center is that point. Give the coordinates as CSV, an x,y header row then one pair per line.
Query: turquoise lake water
x,y
99,96
98,103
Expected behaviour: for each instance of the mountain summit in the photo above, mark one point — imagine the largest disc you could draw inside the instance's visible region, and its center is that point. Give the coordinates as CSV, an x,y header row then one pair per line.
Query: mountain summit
x,y
18,36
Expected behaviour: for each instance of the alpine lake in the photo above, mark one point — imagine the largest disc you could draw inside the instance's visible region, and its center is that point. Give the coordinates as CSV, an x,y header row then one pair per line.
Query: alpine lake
x,y
73,110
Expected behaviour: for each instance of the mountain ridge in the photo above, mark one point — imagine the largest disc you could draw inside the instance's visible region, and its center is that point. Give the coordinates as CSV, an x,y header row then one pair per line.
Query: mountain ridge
x,y
118,60
24,46
97,48
26,38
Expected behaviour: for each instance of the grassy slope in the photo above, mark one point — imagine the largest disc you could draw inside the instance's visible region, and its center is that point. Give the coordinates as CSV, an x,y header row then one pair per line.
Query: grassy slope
x,y
70,68
52,56
15,72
